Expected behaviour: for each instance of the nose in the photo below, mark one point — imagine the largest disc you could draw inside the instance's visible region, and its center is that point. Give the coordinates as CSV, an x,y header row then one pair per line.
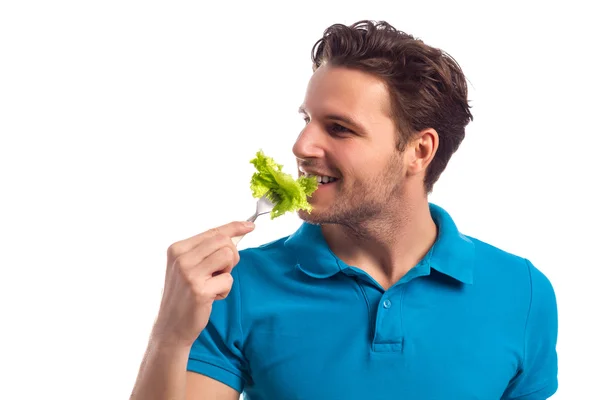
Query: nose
x,y
310,143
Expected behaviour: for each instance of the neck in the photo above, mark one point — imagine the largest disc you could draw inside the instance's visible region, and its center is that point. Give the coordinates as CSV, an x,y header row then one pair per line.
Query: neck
x,y
386,246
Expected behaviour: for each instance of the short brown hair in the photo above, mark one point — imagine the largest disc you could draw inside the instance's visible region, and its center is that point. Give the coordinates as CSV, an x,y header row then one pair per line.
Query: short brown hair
x,y
426,85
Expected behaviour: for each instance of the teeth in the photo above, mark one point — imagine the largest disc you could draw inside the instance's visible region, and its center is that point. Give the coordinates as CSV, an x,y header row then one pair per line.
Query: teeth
x,y
325,179
320,178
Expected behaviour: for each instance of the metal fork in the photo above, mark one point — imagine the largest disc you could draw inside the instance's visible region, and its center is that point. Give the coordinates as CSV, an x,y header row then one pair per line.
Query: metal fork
x,y
263,206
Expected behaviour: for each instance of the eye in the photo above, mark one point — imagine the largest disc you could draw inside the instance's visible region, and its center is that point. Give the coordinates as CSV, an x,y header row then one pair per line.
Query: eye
x,y
306,120
338,130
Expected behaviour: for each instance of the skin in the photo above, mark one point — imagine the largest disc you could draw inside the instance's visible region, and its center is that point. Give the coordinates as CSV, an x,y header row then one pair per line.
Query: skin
x,y
198,273
376,216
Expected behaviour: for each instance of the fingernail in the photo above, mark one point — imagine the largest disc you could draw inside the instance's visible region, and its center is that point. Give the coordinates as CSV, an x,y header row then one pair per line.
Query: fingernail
x,y
249,224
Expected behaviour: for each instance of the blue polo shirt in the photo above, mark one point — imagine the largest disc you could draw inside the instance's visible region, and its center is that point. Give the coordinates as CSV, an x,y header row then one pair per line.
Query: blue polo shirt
x,y
469,321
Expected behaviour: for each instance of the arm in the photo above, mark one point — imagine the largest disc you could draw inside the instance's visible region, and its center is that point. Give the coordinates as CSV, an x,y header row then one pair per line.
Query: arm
x,y
199,272
163,376
537,375
201,387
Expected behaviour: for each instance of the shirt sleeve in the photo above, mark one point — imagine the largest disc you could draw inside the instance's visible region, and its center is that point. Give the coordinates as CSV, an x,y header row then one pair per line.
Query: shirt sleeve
x,y
537,378
217,352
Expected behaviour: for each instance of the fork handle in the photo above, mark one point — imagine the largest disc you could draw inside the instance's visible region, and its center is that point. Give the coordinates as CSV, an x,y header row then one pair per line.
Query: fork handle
x,y
236,239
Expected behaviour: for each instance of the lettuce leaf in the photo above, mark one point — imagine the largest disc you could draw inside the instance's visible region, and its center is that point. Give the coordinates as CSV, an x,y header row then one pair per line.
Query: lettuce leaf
x,y
286,193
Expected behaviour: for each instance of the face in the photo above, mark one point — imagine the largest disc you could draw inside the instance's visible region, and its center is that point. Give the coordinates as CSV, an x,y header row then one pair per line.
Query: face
x,y
351,137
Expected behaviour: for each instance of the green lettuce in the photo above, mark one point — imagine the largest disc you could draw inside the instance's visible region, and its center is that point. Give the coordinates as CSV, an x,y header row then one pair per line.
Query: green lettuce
x,y
286,193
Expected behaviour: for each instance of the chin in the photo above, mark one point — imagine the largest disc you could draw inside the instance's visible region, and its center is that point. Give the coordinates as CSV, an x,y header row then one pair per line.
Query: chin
x,y
313,217
318,217
306,216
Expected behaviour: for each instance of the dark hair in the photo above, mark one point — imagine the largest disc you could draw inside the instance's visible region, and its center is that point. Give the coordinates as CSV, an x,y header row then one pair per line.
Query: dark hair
x,y
426,85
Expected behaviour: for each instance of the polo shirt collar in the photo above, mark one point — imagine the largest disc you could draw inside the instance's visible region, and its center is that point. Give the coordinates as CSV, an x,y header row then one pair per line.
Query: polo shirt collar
x,y
313,255
451,254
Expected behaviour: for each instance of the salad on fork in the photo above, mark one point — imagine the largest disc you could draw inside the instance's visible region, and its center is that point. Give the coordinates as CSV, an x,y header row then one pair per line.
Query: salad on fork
x,y
277,191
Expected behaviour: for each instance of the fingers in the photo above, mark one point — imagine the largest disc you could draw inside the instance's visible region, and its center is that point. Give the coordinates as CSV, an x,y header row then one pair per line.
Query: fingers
x,y
229,230
221,261
219,248
219,285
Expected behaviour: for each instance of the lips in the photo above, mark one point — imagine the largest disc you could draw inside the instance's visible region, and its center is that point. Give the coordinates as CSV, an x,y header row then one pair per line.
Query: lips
x,y
324,179
321,179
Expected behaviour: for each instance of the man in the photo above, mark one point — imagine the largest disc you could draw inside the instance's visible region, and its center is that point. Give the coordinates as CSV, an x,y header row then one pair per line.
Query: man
x,y
377,295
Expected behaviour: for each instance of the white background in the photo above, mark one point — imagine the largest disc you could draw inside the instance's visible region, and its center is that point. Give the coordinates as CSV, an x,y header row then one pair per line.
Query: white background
x,y
128,125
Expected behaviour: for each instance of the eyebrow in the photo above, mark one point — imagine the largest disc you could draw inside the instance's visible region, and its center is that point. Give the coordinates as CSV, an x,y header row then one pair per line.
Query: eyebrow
x,y
337,117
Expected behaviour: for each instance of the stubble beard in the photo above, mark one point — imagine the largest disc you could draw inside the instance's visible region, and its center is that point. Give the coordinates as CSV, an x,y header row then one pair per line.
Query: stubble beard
x,y
364,203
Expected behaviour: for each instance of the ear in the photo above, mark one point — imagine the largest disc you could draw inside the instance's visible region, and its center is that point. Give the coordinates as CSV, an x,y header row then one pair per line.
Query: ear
x,y
421,150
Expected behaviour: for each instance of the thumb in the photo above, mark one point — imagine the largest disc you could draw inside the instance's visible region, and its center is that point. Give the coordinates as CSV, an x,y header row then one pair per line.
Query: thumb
x,y
236,228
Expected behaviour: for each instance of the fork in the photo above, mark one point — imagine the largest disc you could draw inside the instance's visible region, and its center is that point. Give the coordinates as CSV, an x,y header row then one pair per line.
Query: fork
x,y
263,206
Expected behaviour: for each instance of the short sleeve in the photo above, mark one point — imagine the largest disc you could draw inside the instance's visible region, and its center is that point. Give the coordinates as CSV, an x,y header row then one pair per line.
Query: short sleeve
x,y
217,352
537,379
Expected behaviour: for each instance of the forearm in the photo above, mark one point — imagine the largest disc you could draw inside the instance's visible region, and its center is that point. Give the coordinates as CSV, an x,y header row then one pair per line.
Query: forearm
x,y
162,374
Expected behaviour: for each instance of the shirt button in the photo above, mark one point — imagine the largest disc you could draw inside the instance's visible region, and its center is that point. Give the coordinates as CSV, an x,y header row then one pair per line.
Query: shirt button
x,y
387,303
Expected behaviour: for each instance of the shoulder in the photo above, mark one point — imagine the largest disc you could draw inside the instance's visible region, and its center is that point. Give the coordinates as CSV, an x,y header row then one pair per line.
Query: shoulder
x,y
513,272
496,258
264,265
270,254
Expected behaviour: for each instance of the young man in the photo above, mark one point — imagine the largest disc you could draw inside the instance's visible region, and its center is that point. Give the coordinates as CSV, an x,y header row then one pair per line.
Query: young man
x,y
377,295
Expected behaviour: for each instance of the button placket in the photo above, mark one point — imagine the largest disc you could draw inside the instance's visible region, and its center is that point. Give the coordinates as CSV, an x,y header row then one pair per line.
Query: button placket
x,y
389,335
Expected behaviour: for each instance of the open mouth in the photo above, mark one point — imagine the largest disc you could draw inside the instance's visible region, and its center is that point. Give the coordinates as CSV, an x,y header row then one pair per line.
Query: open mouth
x,y
323,179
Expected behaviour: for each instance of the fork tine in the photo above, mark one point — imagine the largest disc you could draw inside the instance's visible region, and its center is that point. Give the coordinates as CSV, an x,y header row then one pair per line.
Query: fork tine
x,y
263,206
